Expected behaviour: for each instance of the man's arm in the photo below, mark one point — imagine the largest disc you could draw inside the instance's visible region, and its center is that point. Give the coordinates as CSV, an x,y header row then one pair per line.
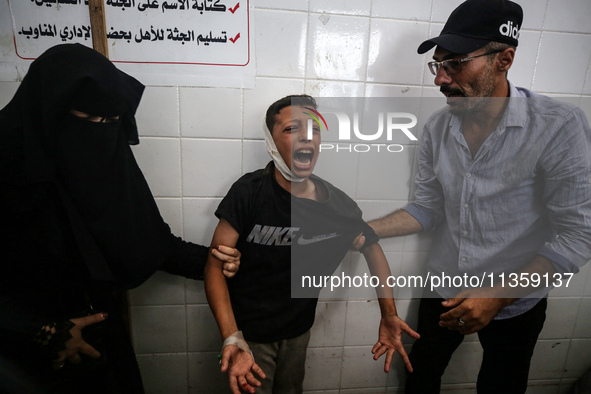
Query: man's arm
x,y
396,224
236,360
566,169
391,326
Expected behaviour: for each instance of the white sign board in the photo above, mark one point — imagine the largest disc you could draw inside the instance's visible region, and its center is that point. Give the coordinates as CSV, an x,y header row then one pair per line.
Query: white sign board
x,y
174,42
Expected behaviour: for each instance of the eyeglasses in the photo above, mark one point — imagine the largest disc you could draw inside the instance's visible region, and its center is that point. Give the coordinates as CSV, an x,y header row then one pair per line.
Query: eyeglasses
x,y
454,66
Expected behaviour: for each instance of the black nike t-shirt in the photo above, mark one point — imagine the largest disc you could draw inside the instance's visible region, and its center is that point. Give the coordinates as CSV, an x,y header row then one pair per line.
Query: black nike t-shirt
x,y
281,238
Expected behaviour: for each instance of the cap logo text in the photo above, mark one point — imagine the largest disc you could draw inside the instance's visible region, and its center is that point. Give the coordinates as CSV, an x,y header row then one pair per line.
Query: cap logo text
x,y
509,30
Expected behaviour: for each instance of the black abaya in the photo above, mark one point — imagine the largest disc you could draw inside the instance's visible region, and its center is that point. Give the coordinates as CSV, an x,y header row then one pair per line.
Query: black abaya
x,y
78,221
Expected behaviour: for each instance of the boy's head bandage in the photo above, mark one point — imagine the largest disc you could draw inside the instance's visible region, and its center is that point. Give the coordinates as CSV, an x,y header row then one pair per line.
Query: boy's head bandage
x,y
277,159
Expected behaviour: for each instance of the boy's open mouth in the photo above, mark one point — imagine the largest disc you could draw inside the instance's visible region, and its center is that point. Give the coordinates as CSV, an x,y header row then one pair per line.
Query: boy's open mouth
x,y
302,158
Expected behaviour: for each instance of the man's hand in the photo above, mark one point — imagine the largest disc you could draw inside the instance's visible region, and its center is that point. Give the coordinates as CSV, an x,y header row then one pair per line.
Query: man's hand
x,y
230,257
390,340
358,242
471,314
76,345
239,365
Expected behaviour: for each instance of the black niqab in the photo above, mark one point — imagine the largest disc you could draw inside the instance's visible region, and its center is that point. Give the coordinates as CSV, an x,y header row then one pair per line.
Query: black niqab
x,y
118,228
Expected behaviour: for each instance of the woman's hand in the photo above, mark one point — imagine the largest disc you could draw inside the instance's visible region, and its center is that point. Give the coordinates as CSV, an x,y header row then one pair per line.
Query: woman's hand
x,y
230,258
76,345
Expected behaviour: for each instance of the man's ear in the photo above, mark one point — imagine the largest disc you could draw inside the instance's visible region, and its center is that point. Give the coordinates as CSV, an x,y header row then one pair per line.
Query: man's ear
x,y
505,59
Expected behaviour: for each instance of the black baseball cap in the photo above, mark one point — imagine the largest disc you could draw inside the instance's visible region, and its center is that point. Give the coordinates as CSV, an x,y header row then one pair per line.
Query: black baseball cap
x,y
475,23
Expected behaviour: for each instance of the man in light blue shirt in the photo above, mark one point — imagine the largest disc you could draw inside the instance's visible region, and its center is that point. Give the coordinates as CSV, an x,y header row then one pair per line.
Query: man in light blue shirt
x,y
505,182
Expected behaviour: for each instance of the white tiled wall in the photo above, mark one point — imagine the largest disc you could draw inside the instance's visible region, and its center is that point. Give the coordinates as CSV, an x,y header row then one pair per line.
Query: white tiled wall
x,y
197,141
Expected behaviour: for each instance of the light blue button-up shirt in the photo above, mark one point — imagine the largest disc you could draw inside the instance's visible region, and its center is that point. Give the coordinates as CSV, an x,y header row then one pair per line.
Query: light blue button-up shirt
x,y
526,192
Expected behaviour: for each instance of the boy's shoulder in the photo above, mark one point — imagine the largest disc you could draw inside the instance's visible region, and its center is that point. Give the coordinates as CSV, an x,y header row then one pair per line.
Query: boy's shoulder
x,y
251,180
336,197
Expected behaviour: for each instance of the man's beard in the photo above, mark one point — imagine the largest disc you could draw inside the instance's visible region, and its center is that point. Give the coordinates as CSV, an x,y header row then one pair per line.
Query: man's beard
x,y
475,97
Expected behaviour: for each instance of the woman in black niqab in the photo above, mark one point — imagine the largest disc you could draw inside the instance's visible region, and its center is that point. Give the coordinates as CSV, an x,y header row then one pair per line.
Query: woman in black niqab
x,y
78,220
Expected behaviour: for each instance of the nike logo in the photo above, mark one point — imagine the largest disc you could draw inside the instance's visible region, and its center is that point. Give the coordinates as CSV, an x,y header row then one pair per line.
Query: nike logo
x,y
317,238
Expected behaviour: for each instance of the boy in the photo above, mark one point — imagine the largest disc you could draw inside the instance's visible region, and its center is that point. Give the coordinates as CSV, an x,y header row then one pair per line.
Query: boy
x,y
278,216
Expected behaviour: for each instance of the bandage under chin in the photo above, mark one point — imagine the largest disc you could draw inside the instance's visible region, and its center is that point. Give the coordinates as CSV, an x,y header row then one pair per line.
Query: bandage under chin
x,y
277,159
237,339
